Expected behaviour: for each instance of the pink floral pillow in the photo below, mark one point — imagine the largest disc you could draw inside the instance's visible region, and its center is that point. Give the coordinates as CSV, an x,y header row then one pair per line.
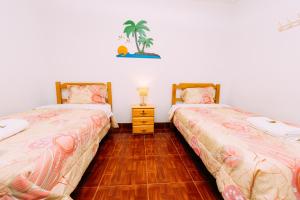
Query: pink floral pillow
x,y
199,95
88,94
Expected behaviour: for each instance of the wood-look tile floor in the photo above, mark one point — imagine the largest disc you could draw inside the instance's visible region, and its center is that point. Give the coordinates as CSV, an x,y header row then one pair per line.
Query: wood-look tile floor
x,y
146,167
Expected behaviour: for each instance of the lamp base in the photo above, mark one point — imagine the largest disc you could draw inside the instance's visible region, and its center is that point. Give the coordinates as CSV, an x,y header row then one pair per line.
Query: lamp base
x,y
143,102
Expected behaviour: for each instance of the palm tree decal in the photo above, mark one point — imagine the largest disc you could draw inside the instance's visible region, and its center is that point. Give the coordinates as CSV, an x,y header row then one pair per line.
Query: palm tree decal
x,y
138,32
134,29
146,42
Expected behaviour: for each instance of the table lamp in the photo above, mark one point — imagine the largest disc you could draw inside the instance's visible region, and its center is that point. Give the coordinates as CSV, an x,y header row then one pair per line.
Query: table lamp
x,y
143,92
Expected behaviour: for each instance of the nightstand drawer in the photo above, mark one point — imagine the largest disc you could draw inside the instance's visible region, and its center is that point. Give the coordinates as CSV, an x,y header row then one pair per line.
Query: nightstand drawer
x,y
142,112
143,129
136,121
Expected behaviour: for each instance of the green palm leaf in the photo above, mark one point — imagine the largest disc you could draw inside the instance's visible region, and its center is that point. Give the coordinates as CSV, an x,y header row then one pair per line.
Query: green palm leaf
x,y
129,22
130,28
141,40
141,23
149,42
141,26
141,32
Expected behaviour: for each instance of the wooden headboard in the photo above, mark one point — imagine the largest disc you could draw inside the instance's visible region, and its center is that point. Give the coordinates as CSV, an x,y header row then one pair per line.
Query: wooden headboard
x,y
182,86
62,86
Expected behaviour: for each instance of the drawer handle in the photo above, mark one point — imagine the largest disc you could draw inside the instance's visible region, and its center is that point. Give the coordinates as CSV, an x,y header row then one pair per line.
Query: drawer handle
x,y
144,122
143,130
143,112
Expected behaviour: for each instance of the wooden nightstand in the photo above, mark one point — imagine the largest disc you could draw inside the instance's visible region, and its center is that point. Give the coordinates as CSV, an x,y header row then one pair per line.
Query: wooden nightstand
x,y
143,119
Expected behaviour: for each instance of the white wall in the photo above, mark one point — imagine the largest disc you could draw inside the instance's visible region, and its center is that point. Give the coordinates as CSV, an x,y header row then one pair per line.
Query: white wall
x,y
236,44
265,74
22,57
186,34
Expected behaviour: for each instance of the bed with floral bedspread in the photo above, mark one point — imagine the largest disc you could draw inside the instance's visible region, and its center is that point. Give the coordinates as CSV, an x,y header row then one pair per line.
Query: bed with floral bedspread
x,y
48,159
246,162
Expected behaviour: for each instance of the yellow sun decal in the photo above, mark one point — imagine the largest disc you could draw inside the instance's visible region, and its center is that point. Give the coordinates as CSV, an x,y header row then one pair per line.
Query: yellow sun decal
x,y
122,50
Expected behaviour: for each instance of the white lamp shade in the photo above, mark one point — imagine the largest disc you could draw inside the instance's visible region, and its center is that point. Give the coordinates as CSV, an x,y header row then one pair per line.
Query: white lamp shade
x,y
143,91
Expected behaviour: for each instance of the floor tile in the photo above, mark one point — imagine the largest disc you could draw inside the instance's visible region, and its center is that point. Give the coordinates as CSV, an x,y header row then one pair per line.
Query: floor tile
x,y
130,147
94,173
173,191
160,146
125,171
190,163
164,169
119,136
161,134
196,168
181,146
106,148
136,192
84,193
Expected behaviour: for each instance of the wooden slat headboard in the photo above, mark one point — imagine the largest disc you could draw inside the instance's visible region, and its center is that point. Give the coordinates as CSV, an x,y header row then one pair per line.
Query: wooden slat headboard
x,y
62,86
182,86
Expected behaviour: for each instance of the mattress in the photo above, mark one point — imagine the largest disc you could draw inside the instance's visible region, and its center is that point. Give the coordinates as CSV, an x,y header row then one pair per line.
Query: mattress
x,y
246,162
47,160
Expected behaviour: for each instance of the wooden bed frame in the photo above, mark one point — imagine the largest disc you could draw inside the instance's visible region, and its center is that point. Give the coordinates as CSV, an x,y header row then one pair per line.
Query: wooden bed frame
x,y
182,86
62,86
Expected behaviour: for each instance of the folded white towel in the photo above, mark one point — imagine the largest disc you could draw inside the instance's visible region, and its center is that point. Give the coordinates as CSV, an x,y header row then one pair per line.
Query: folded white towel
x,y
10,127
275,128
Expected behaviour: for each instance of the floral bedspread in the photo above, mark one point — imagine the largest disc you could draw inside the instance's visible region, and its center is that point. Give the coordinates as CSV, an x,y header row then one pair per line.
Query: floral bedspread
x,y
246,162
43,161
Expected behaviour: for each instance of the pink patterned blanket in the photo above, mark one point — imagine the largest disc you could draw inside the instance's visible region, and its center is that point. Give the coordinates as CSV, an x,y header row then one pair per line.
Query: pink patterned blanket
x,y
37,163
246,162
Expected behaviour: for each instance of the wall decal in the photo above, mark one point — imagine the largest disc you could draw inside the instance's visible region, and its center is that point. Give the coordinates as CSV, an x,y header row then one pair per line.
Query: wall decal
x,y
136,33
289,25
